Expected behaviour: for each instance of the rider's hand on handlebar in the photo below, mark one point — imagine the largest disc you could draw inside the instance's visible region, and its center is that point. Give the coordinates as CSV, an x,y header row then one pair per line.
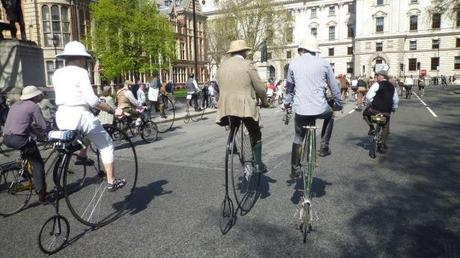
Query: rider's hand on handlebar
x,y
337,107
264,104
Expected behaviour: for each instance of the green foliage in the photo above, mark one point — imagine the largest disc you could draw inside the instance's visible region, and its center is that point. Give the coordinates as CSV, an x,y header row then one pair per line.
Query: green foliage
x,y
451,7
130,36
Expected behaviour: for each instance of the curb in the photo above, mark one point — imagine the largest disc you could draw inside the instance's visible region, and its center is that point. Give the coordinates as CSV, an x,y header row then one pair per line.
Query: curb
x,y
457,91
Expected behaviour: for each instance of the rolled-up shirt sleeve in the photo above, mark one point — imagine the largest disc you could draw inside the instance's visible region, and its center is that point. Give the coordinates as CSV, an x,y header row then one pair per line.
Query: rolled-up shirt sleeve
x,y
332,83
87,90
371,93
290,86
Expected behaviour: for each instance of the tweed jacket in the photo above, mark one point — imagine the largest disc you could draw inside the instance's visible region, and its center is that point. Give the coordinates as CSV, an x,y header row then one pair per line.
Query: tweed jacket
x,y
240,86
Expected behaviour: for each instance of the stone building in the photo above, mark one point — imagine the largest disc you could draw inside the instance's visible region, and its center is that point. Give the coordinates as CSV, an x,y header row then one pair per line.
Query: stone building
x,y
354,35
180,13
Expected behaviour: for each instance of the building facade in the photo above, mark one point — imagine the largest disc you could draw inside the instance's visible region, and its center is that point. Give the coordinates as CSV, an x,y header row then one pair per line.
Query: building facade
x,y
354,35
180,13
51,24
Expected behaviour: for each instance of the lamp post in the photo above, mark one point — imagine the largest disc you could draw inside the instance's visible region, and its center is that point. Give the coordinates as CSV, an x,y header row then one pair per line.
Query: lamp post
x,y
195,37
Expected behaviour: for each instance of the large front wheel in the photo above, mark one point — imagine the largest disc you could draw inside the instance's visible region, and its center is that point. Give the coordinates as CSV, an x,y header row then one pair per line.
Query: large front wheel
x,y
149,131
245,180
91,202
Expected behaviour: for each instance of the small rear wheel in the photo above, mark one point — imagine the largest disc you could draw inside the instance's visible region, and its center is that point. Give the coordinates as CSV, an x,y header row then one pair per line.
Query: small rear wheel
x,y
15,189
54,234
149,131
228,215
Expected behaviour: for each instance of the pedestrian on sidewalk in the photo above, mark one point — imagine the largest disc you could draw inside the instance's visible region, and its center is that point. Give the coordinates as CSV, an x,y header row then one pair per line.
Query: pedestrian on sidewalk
x,y
192,92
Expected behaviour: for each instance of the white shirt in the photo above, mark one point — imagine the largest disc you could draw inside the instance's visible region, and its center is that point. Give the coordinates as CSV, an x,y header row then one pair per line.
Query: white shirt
x,y
73,88
354,83
373,90
408,81
140,96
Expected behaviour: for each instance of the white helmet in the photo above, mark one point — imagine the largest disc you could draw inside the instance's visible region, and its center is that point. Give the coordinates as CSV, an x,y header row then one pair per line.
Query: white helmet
x,y
74,48
310,44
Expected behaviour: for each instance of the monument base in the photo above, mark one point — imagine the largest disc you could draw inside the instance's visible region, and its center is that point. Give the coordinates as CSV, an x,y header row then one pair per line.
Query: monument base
x,y
21,64
262,70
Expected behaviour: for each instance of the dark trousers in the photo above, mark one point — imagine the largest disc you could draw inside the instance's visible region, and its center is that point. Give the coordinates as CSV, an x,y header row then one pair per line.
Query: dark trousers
x,y
326,131
194,100
30,151
367,113
253,127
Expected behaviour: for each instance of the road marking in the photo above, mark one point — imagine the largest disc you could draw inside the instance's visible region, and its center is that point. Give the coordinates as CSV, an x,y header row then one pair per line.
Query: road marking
x,y
427,107
431,111
351,111
423,102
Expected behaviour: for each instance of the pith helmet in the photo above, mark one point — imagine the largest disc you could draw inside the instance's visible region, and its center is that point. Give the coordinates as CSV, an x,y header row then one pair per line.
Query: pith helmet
x,y
74,48
310,44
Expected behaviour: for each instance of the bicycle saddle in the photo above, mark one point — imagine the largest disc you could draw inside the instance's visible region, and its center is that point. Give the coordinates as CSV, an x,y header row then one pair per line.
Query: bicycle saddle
x,y
379,119
63,135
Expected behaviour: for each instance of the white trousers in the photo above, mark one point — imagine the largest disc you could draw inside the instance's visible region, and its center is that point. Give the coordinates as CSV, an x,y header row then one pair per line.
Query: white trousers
x,y
80,118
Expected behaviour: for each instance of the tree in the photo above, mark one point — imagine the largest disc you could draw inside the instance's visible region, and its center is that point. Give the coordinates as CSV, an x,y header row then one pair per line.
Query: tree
x,y
449,6
130,36
254,21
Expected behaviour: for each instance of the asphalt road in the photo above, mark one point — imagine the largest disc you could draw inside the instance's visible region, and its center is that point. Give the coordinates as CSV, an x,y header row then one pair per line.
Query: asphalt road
x,y
405,203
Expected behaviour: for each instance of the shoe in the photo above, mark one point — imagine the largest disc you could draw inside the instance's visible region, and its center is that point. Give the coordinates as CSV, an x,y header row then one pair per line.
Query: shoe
x,y
380,149
323,152
84,161
42,197
116,184
163,116
295,173
371,131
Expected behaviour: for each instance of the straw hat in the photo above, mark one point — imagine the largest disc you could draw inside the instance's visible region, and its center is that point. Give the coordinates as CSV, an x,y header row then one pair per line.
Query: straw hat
x,y
310,44
74,48
30,92
237,46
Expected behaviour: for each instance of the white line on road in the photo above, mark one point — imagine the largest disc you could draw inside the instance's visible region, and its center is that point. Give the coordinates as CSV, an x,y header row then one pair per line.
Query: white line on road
x,y
427,107
431,111
351,111
423,102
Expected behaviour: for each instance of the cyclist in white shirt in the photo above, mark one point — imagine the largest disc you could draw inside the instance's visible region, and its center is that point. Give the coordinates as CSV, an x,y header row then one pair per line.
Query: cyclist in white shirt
x,y
74,97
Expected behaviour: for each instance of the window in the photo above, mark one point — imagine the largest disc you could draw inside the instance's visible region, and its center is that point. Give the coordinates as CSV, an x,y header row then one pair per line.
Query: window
x,y
331,32
349,67
313,13
413,45
436,21
435,44
434,63
413,22
56,23
350,50
457,42
379,2
331,51
379,46
457,62
413,1
314,31
351,8
379,21
269,55
458,19
412,64
331,10
288,54
289,34
350,31
50,69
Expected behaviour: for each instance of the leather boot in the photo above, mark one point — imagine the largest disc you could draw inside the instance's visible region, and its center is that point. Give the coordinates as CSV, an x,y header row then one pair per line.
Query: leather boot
x,y
42,198
295,160
257,152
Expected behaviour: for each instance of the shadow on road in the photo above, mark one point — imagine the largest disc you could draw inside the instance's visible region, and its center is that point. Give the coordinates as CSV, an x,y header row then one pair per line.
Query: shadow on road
x,y
318,188
417,210
145,194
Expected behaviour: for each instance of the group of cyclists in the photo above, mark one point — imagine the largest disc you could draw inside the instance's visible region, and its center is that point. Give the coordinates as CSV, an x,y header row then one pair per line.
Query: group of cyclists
x,y
240,89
